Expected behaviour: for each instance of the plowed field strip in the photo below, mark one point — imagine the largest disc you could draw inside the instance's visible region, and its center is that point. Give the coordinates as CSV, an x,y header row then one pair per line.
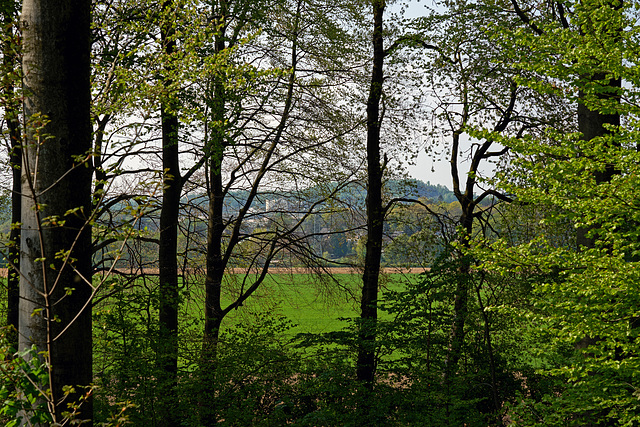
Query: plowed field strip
x,y
293,270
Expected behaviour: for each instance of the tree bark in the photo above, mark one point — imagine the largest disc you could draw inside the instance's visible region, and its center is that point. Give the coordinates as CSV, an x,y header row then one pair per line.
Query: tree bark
x,y
215,262
366,363
468,203
592,124
12,110
219,255
168,290
461,297
55,261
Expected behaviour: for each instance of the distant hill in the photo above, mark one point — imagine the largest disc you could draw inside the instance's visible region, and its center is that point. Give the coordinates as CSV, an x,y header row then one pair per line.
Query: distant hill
x,y
354,194
409,188
417,188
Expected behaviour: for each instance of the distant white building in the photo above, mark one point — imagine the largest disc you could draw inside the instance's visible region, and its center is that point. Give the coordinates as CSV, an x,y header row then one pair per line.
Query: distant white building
x,y
276,205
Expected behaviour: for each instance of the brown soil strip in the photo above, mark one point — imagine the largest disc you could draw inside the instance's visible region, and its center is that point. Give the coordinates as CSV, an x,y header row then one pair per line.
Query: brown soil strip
x,y
294,270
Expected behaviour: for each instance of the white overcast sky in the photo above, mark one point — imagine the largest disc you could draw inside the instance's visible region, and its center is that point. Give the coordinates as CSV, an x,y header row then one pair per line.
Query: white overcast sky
x,y
426,168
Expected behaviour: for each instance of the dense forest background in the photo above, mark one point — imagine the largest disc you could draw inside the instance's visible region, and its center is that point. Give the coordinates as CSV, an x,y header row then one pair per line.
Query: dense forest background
x,y
181,177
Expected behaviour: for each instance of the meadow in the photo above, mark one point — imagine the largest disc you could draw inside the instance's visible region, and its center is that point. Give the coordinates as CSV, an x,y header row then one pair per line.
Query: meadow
x,y
313,303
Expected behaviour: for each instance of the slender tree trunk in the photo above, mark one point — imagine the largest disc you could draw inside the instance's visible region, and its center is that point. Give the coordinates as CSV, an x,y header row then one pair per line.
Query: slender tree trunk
x,y
100,174
215,263
468,202
487,337
214,260
218,255
13,278
12,111
461,297
366,363
55,262
213,289
168,291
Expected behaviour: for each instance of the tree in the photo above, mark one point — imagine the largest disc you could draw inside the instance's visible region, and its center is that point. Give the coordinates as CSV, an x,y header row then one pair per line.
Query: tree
x,y
225,84
375,209
588,179
55,264
10,54
468,82
260,121
168,287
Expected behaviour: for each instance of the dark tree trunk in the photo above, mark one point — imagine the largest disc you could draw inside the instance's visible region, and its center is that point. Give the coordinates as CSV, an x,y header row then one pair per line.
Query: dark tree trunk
x,y
218,256
468,203
12,111
168,291
56,183
366,363
461,297
592,124
215,260
13,278
213,288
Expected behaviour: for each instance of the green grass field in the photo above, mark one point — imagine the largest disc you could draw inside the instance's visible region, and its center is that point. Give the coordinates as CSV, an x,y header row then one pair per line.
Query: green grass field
x,y
313,303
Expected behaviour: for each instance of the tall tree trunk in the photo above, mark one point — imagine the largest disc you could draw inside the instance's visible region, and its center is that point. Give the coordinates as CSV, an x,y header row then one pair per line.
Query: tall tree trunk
x,y
215,258
215,263
218,256
55,262
468,203
13,277
592,124
168,291
12,111
366,363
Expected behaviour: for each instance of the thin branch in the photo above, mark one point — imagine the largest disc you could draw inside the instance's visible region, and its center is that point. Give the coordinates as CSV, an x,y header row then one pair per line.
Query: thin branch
x,y
524,18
